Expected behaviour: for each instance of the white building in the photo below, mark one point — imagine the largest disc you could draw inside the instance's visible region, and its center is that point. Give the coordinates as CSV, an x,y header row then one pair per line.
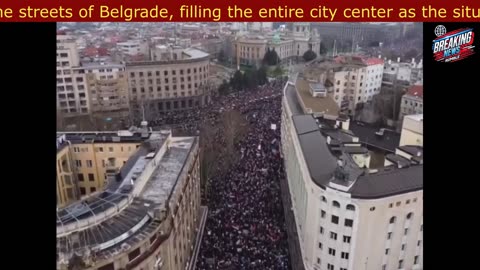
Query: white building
x,y
133,47
72,94
412,101
412,130
401,74
346,214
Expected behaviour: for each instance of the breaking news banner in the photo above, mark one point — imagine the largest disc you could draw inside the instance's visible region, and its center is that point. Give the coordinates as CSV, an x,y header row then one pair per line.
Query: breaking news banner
x,y
240,10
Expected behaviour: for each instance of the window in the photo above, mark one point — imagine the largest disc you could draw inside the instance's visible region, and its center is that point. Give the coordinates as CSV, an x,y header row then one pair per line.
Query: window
x,y
348,222
333,235
392,220
91,177
334,219
92,189
83,191
324,199
419,242
320,246
400,264
89,164
330,267
331,251
134,254
390,205
322,214
403,246
343,268
415,260
78,163
344,255
346,239
406,231
80,177
409,215
372,209
389,235
384,267
336,204
319,261
321,230
421,228
110,149
408,202
398,203
414,199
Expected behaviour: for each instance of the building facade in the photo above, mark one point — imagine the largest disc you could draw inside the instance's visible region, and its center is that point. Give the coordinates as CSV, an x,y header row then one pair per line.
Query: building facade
x,y
347,215
146,216
251,49
108,90
176,80
72,92
412,101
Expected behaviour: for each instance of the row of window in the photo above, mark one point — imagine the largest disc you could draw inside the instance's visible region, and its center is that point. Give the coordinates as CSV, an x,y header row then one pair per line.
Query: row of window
x,y
400,203
337,205
329,266
165,72
167,88
416,260
333,235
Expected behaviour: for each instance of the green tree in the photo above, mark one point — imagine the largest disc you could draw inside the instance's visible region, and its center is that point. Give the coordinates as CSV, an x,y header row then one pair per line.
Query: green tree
x,y
224,88
262,75
236,82
309,55
323,49
221,56
271,57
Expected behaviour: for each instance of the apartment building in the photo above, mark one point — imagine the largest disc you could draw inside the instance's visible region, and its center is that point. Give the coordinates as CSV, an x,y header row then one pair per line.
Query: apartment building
x,y
176,79
146,215
108,89
412,101
72,92
345,215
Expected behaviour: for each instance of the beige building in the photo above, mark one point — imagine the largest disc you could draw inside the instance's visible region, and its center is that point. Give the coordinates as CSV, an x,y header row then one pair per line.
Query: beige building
x,y
146,215
412,101
72,94
347,215
250,49
412,130
108,89
176,79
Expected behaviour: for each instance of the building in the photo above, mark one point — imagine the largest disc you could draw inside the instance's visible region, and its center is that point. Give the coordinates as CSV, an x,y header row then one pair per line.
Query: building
x,y
72,94
350,80
345,214
401,75
412,130
133,47
145,215
250,49
412,101
108,90
176,79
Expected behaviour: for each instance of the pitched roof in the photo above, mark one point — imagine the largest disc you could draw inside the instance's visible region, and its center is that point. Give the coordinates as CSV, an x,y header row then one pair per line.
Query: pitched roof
x,y
416,91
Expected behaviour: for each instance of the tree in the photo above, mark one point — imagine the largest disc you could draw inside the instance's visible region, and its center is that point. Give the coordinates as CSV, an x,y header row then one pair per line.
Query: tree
x,y
278,71
271,57
309,55
221,56
224,88
262,75
323,49
251,78
237,81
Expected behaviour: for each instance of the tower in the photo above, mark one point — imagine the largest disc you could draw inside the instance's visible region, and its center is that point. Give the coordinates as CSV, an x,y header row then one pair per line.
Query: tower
x,y
301,29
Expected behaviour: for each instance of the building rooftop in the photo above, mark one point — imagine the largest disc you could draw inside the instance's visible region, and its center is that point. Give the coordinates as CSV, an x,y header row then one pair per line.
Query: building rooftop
x,y
328,155
416,91
324,105
127,211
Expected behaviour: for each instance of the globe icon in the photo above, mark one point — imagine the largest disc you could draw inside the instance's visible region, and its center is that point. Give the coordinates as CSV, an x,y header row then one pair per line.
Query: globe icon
x,y
440,30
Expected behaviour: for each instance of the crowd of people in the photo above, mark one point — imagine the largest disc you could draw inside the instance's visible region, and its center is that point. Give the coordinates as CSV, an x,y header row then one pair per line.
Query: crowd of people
x,y
245,227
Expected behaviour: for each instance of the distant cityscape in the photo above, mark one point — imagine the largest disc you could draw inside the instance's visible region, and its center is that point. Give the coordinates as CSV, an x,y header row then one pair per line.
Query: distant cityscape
x,y
240,146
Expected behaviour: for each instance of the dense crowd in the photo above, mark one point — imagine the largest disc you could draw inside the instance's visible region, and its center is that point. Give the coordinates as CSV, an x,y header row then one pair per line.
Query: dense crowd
x,y
245,227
